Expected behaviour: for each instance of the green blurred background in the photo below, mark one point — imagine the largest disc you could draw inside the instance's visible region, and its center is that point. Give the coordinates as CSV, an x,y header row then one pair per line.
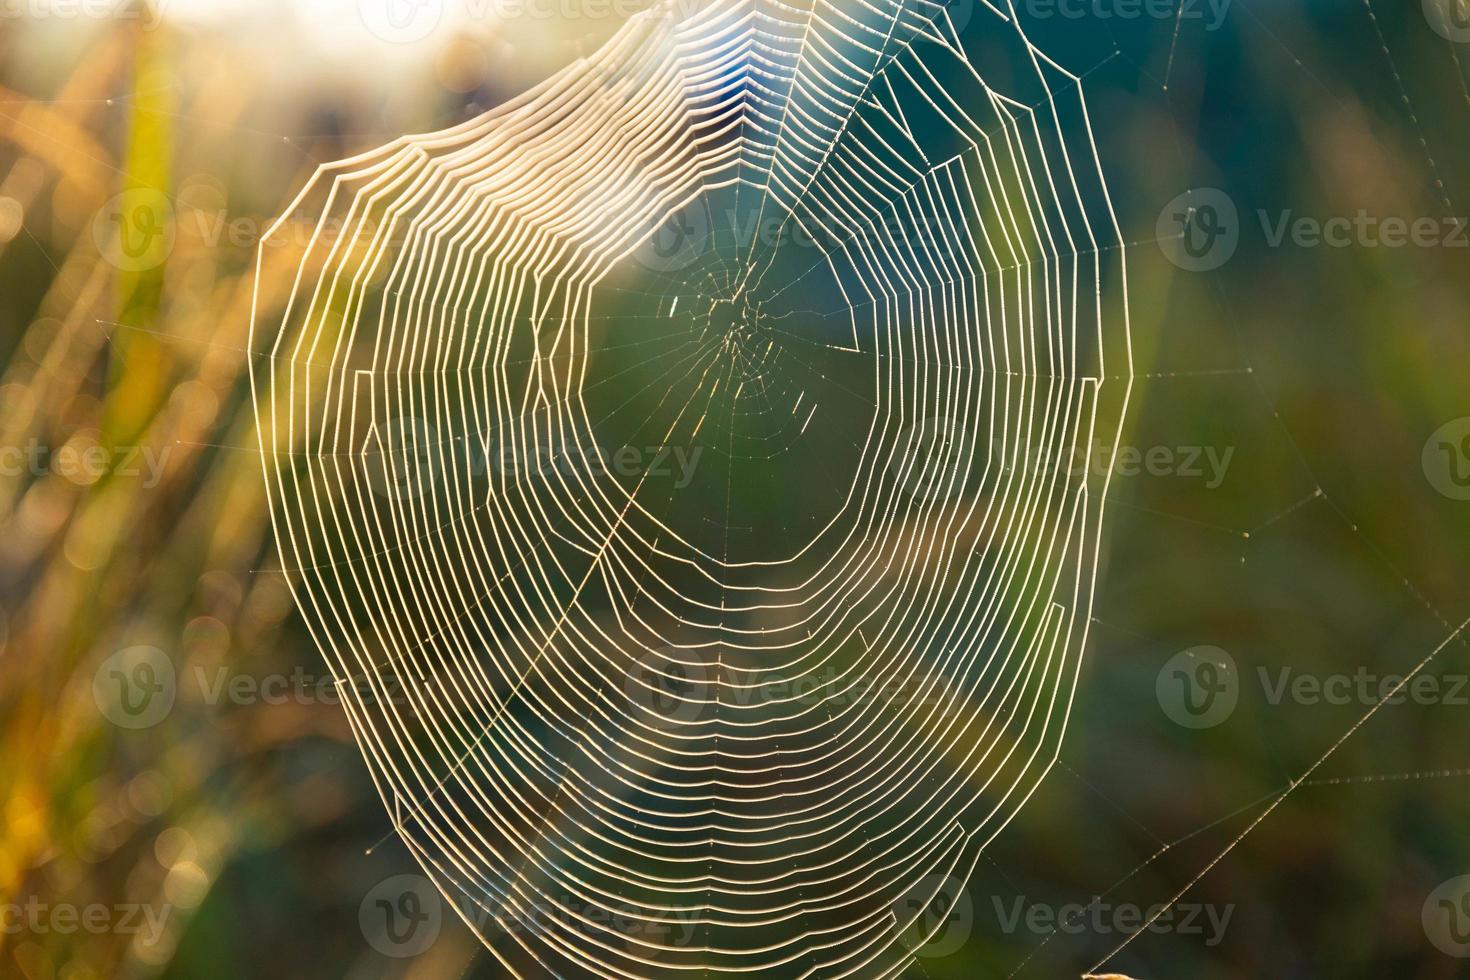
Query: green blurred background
x,y
229,836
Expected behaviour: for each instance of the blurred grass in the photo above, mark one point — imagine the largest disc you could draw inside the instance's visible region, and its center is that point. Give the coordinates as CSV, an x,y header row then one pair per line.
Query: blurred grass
x,y
148,364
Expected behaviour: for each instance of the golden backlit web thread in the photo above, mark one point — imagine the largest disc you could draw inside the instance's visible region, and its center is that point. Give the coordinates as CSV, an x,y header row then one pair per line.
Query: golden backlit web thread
x,y
676,466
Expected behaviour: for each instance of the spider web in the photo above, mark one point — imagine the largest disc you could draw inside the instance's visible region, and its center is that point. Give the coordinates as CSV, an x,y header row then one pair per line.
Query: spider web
x,y
675,466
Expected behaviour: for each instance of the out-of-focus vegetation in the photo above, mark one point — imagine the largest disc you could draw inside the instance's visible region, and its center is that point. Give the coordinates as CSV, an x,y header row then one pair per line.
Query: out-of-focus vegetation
x,y
133,534
225,837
